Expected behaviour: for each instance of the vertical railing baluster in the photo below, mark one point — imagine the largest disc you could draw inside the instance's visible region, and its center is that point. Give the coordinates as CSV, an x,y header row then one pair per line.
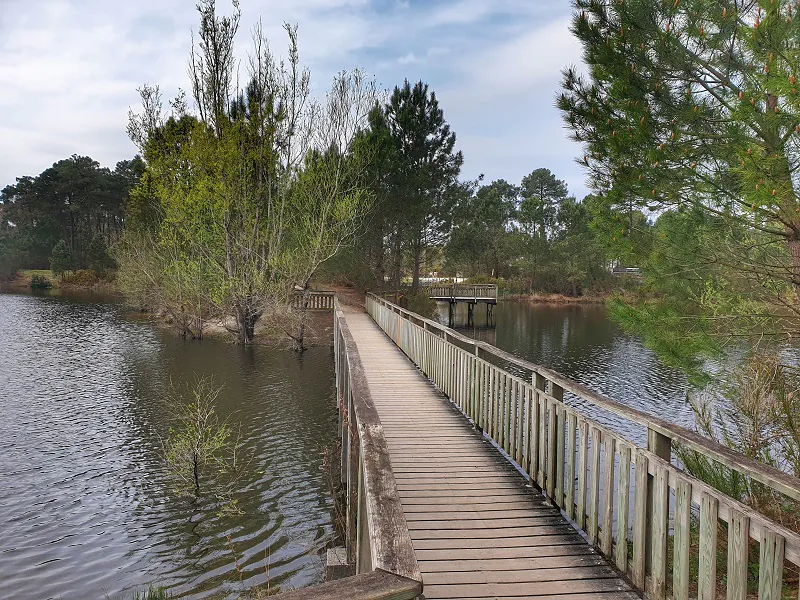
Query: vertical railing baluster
x,y
681,540
572,422
594,485
609,451
583,471
738,550
660,527
623,500
640,541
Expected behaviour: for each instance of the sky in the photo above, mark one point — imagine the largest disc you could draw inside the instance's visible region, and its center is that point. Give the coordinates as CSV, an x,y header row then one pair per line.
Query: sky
x,y
69,70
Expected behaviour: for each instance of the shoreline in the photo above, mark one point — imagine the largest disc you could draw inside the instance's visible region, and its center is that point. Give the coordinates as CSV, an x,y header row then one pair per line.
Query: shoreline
x,y
537,298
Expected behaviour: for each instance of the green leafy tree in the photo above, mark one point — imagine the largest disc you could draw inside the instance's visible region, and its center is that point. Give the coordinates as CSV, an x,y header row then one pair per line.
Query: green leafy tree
x,y
253,192
541,195
61,260
74,200
201,452
483,237
97,257
426,172
693,106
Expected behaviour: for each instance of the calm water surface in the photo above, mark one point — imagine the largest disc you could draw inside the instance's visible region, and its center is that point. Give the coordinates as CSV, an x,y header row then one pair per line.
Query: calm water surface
x,y
583,344
86,510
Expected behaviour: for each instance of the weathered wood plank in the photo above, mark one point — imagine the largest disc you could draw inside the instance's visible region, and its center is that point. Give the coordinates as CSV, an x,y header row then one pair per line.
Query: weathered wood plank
x,y
572,423
623,500
707,574
551,450
376,585
659,530
594,485
519,575
512,564
551,526
560,424
502,590
640,522
500,551
583,466
738,550
607,535
770,566
682,540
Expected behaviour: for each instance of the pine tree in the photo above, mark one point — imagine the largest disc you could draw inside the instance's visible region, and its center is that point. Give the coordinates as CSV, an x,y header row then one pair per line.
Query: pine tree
x,y
61,260
694,102
427,168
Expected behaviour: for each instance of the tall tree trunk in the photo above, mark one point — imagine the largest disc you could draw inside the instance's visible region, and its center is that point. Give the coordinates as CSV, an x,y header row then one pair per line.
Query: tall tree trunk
x,y
246,319
794,251
396,263
299,340
379,268
417,256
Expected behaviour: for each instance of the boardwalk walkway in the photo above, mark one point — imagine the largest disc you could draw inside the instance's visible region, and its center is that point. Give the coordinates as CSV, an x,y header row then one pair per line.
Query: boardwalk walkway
x,y
477,527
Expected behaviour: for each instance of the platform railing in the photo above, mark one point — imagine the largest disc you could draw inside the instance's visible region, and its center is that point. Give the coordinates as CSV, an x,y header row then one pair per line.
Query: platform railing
x,y
463,291
654,521
377,538
313,300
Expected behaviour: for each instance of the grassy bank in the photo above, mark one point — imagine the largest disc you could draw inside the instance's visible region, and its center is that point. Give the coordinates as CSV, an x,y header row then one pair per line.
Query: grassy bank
x,y
27,279
556,298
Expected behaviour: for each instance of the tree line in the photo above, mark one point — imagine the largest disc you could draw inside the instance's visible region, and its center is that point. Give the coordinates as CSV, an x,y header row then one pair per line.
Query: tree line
x,y
75,205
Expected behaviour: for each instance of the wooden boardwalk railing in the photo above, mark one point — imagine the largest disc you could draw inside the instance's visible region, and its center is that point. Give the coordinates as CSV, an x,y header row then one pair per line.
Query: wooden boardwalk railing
x,y
377,537
463,292
632,502
314,300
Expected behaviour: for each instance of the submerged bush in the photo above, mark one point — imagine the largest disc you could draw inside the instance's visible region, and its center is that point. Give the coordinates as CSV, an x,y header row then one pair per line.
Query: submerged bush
x,y
40,282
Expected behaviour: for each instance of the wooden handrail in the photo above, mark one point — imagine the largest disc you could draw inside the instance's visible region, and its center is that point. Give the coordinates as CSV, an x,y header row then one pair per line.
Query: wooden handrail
x,y
312,300
377,537
463,290
765,474
619,494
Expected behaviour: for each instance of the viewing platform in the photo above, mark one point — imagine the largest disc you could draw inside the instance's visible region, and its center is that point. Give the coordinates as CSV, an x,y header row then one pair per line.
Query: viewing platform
x,y
464,292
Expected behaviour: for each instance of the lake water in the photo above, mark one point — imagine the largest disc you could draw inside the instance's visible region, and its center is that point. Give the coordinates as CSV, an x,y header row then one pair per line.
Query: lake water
x,y
86,508
579,341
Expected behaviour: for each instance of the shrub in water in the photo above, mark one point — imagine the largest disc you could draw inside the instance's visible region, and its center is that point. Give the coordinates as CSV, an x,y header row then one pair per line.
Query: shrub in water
x,y
39,282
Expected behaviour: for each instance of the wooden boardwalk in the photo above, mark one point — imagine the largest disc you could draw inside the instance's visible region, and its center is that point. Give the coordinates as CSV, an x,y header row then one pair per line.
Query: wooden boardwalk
x,y
477,527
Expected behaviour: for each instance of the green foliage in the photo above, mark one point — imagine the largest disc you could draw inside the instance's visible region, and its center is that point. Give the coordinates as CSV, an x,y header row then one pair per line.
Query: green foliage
x,y
535,237
758,418
483,239
72,201
200,452
240,202
80,278
97,257
10,254
670,124
39,282
413,179
541,195
61,260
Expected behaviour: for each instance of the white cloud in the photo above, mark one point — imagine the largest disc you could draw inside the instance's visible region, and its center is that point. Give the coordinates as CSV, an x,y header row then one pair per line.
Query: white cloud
x,y
69,70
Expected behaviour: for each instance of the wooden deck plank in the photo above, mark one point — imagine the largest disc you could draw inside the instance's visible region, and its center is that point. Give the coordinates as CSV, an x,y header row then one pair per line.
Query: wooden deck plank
x,y
478,527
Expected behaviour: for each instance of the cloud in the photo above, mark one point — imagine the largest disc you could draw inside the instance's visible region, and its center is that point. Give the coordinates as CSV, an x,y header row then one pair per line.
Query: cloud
x,y
69,70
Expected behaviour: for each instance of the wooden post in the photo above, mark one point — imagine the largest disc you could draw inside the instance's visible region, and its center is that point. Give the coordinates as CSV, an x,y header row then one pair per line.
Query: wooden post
x,y
661,446
557,446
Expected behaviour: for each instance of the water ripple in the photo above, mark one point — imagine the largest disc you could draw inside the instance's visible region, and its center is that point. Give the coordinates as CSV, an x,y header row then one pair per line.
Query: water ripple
x,y
86,510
